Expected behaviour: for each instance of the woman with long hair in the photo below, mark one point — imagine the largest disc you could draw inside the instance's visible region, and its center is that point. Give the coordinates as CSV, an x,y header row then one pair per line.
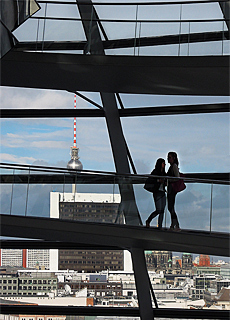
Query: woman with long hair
x,y
158,193
173,171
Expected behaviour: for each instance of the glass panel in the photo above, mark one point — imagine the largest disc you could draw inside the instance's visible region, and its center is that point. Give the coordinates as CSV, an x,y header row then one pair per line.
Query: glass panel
x,y
200,207
220,208
130,22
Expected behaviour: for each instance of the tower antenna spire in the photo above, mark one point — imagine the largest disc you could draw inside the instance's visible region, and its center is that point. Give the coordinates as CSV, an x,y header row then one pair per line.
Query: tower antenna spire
x,y
74,163
75,124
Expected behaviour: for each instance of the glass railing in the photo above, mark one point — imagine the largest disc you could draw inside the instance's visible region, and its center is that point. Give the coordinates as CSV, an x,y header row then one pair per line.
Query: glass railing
x,y
106,197
129,29
94,196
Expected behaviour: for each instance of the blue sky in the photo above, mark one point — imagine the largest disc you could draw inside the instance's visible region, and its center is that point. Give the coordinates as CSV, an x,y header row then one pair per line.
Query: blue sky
x,y
201,141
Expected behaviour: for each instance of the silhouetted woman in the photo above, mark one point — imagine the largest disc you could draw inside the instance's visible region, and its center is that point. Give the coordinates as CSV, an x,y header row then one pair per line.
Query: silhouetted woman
x,y
173,171
158,193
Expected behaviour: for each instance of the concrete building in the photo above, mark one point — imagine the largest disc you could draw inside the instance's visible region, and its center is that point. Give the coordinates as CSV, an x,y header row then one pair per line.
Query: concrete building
x,y
11,257
90,207
8,284
29,258
224,283
33,283
201,284
206,270
225,270
28,283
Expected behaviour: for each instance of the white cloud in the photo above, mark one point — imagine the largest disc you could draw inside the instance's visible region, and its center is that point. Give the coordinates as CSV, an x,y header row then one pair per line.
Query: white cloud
x,y
48,144
24,98
16,159
13,136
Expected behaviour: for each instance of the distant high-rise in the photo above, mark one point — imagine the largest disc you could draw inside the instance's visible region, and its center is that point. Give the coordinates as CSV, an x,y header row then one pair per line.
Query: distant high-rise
x,y
28,258
11,257
91,207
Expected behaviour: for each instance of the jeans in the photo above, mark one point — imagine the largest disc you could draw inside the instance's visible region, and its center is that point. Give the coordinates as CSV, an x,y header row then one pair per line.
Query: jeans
x,y
160,202
171,197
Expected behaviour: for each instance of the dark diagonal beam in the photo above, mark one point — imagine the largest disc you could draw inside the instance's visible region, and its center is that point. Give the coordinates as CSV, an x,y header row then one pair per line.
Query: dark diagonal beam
x,y
119,149
225,8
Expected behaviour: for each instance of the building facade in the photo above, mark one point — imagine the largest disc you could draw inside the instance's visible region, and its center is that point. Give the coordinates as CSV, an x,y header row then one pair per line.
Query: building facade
x,y
28,258
11,257
158,260
28,283
9,284
88,207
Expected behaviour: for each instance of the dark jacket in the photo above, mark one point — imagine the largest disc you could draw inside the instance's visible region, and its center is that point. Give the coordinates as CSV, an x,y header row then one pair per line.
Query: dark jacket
x,y
155,181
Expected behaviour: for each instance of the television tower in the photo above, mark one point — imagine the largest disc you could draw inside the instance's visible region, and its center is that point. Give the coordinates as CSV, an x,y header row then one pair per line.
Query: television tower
x,y
74,163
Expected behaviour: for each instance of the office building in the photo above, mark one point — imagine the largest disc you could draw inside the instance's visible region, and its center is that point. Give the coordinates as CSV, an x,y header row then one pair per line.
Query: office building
x,y
88,207
29,258
11,257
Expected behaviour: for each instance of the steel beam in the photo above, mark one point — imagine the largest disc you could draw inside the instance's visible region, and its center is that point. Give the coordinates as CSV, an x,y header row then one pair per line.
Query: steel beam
x,y
128,112
168,313
95,178
125,43
167,75
124,237
119,149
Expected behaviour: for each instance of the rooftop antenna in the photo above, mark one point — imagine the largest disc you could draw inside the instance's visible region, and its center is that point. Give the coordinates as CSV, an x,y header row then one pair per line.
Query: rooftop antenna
x,y
74,163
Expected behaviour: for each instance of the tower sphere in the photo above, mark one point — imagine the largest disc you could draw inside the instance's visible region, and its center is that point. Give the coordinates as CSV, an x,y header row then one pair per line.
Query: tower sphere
x,y
74,164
